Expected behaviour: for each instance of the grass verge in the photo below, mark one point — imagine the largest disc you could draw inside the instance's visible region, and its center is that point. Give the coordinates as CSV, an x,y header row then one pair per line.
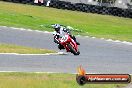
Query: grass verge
x,y
36,17
45,80
8,48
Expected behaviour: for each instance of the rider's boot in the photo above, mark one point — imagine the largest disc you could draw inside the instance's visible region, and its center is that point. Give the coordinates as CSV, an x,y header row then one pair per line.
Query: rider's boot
x,y
74,38
77,43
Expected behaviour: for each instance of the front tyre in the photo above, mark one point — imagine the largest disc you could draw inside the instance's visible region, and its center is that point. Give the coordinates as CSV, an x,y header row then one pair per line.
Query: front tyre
x,y
78,52
73,50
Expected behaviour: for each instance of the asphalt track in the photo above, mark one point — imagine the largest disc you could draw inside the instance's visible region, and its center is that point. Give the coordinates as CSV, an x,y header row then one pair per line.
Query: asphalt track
x,y
97,56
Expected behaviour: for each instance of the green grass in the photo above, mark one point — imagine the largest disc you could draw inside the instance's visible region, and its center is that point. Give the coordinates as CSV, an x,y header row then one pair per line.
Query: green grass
x,y
45,80
8,48
39,18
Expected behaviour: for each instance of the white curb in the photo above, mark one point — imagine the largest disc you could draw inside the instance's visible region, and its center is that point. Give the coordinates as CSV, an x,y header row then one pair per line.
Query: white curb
x,y
109,40
30,30
59,53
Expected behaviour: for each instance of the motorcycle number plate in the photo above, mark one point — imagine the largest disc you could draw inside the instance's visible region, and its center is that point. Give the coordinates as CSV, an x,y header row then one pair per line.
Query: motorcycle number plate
x,y
63,39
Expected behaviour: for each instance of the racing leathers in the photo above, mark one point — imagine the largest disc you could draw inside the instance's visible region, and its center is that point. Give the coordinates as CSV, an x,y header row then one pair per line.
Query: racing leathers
x,y
59,32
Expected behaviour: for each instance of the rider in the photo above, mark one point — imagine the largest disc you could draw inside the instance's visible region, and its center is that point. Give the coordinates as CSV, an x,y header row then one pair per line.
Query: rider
x,y
58,30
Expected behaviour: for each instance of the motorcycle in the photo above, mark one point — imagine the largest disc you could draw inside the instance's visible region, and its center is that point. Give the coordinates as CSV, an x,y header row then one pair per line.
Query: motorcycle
x,y
69,44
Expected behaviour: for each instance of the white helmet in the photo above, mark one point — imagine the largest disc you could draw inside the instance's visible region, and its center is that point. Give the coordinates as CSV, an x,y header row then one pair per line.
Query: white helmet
x,y
56,26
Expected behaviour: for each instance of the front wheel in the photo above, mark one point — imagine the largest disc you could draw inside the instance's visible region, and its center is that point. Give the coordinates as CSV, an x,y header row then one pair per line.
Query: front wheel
x,y
73,50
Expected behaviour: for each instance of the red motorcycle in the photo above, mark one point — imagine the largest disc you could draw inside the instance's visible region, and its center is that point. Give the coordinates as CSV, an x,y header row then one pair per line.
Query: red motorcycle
x,y
69,44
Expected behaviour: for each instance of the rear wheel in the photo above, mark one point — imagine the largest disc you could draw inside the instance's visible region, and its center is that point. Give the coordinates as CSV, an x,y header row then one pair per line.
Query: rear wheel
x,y
73,50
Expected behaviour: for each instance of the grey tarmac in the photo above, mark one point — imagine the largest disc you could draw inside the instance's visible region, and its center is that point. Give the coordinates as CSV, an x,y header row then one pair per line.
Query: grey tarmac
x,y
97,56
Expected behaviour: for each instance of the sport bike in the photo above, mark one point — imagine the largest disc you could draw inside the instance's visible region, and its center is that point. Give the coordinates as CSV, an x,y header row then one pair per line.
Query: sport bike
x,y
69,44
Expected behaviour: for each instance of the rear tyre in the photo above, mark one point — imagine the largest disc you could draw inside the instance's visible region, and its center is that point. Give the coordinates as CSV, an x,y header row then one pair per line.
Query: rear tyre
x,y
73,50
